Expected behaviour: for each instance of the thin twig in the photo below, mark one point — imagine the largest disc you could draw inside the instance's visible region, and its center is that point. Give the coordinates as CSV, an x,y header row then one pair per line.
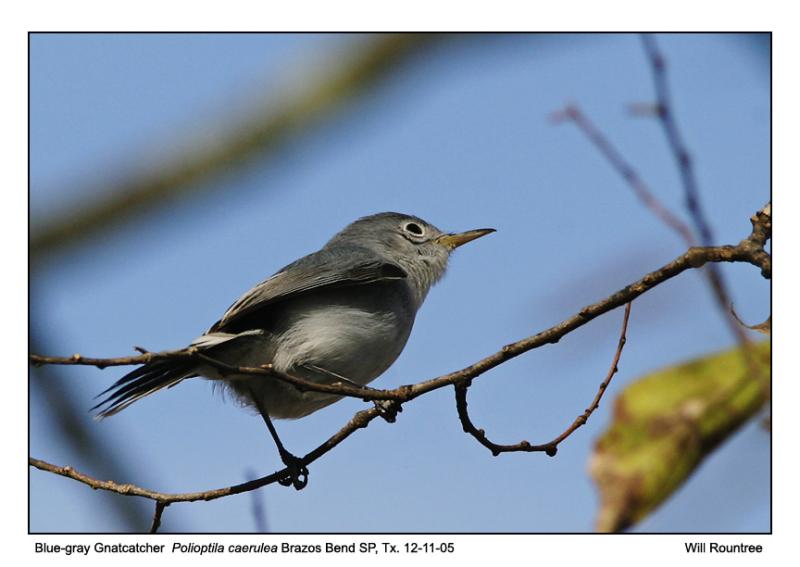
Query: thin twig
x,y
683,160
551,447
160,505
765,327
359,421
584,417
625,169
666,116
663,110
301,384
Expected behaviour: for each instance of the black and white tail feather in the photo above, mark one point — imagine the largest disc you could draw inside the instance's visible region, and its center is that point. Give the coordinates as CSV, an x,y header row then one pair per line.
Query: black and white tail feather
x,y
143,381
164,372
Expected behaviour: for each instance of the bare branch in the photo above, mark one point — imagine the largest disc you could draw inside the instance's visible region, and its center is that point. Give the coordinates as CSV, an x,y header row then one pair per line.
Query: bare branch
x,y
691,259
764,327
301,384
106,457
157,516
359,421
755,243
584,417
551,447
748,250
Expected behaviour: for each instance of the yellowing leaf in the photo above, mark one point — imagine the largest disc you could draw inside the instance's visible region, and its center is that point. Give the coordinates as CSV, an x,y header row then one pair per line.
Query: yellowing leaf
x,y
665,424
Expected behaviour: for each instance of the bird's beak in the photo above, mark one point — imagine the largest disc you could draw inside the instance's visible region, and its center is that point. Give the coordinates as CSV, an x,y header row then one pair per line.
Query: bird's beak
x,y
453,241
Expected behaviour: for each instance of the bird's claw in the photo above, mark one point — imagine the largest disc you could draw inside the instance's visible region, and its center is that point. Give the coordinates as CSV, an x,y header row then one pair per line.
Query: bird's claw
x,y
388,409
296,472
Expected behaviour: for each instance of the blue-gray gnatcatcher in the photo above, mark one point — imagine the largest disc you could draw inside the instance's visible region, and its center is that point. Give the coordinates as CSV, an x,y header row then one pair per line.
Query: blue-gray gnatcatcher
x,y
341,314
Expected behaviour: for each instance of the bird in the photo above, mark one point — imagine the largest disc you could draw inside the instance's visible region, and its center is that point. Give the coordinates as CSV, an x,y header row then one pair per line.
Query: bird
x,y
342,314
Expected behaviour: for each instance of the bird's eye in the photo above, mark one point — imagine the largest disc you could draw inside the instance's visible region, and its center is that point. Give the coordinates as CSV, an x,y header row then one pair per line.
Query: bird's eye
x,y
413,228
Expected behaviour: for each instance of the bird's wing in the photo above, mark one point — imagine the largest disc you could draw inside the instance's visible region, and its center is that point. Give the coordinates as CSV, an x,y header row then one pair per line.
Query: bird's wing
x,y
329,267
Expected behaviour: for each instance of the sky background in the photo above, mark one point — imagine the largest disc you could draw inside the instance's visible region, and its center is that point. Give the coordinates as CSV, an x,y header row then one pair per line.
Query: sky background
x,y
459,136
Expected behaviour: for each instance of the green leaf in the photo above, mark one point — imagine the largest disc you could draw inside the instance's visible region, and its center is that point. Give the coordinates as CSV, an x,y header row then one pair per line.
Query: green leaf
x,y
666,423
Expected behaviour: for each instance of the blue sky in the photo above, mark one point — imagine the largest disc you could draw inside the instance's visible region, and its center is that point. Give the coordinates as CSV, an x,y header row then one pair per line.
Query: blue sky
x,y
460,137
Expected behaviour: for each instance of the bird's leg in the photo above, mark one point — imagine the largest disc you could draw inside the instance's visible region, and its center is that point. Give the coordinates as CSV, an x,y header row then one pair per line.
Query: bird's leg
x,y
298,472
388,409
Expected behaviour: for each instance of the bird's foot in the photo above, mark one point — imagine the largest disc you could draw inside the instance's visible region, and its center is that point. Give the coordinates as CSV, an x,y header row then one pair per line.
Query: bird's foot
x,y
388,409
296,472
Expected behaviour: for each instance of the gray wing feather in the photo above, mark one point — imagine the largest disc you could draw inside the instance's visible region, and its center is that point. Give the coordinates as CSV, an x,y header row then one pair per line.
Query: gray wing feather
x,y
339,266
329,267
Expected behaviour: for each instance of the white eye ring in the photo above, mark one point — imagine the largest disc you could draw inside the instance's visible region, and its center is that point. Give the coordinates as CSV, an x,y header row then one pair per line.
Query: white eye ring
x,y
414,229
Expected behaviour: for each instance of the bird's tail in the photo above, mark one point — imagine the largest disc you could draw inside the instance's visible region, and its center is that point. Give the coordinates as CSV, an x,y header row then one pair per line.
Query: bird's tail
x,y
143,381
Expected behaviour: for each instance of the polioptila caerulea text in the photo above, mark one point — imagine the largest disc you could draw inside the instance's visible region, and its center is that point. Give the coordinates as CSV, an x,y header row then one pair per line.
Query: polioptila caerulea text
x,y
341,314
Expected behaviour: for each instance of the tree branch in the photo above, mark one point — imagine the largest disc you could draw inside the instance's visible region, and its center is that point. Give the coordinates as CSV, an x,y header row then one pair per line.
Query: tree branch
x,y
749,250
157,516
358,421
551,447
338,388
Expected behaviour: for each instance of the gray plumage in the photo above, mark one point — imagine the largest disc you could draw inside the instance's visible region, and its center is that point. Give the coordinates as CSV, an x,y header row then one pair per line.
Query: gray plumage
x,y
341,314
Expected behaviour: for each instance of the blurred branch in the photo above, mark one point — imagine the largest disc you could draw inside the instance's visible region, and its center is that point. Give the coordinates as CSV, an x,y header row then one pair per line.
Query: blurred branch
x,y
683,160
749,250
264,133
663,110
625,169
645,470
666,116
257,507
61,409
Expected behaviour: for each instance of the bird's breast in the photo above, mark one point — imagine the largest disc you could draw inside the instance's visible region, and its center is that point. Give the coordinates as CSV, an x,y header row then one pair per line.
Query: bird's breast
x,y
353,335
